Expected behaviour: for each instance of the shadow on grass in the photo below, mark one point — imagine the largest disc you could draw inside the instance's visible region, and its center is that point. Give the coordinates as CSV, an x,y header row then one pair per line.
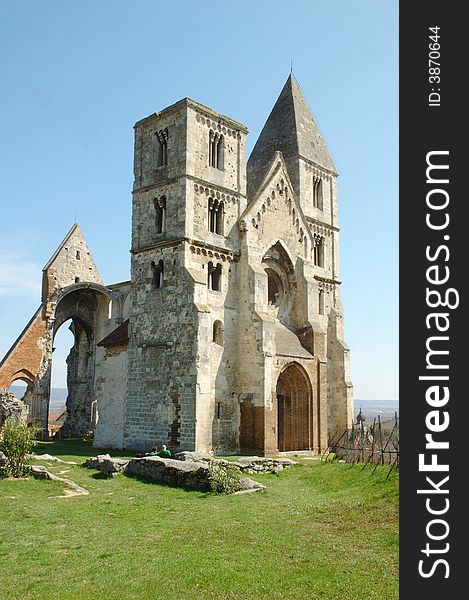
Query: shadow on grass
x,y
77,447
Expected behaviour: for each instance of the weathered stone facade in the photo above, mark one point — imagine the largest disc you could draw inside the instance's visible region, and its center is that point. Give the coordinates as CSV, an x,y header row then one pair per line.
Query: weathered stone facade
x,y
229,336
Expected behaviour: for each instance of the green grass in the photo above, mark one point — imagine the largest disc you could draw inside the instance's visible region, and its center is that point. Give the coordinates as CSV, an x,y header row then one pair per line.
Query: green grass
x,y
321,531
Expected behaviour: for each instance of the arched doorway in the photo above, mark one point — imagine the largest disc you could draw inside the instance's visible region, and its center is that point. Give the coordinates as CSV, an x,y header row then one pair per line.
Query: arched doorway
x,y
294,410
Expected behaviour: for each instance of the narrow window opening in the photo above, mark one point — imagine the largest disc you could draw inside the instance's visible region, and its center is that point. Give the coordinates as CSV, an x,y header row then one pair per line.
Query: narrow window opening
x,y
160,214
78,255
214,277
321,302
215,216
318,252
216,150
321,253
211,149
220,153
162,149
218,333
317,192
77,280
157,274
218,410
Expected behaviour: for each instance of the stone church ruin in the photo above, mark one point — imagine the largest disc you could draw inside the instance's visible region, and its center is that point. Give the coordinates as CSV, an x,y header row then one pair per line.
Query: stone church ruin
x,y
229,335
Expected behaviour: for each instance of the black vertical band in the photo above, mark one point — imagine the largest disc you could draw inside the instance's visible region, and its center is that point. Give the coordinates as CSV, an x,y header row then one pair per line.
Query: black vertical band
x,y
434,265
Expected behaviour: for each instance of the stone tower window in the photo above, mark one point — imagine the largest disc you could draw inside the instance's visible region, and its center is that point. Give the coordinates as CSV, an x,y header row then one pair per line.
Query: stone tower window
x,y
216,150
162,147
318,251
215,216
157,274
322,310
160,214
214,277
317,193
78,255
218,333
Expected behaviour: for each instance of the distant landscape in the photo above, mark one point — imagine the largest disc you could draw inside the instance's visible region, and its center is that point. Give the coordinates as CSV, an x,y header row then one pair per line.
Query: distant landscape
x,y
370,408
57,401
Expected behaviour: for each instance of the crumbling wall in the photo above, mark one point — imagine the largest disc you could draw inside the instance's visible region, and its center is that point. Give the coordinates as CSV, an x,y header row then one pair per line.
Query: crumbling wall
x,y
12,408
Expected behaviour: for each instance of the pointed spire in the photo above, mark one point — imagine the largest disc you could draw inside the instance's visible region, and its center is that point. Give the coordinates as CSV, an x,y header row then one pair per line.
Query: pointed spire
x,y
290,128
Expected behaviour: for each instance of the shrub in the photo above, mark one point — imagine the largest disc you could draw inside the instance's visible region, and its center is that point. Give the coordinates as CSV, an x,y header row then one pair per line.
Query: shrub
x,y
17,441
223,478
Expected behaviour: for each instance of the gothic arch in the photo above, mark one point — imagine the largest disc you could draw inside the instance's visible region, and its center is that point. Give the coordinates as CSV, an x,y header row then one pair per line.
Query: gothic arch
x,y
294,409
23,375
281,281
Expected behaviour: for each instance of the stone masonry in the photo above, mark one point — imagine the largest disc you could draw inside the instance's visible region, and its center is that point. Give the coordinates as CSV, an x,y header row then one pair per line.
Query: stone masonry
x,y
229,336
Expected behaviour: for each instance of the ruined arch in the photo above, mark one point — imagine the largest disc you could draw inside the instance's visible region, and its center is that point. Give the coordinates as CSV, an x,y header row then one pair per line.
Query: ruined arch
x,y
82,304
23,375
294,409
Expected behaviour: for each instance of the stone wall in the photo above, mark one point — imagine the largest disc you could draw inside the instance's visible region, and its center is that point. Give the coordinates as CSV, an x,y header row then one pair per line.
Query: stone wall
x,y
111,393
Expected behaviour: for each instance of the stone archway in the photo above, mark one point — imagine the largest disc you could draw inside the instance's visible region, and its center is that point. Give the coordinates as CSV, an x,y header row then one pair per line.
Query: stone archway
x,y
25,376
82,305
294,409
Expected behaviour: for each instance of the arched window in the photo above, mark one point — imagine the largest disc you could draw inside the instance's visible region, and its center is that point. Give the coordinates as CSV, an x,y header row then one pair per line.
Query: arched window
x,y
214,277
318,251
215,216
218,333
322,310
162,147
216,150
160,214
317,192
157,274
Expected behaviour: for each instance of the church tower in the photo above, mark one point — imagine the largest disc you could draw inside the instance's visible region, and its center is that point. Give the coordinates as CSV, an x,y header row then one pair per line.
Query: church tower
x,y
189,190
292,131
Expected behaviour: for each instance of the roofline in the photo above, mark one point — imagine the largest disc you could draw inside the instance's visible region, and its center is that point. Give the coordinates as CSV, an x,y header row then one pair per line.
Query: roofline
x,y
25,329
74,227
193,104
111,286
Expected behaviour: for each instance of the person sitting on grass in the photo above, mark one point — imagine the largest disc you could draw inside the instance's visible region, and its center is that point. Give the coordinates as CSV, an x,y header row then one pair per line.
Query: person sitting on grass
x,y
164,452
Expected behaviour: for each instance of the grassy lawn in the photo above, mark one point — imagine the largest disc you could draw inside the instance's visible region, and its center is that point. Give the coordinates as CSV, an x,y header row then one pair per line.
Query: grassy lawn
x,y
320,531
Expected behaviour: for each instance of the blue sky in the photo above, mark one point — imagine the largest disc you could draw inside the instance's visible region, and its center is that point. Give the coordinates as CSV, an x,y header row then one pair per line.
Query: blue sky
x,y
77,75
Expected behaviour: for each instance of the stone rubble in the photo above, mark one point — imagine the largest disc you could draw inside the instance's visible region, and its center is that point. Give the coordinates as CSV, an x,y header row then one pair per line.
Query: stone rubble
x,y
11,407
185,474
49,457
106,464
249,464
